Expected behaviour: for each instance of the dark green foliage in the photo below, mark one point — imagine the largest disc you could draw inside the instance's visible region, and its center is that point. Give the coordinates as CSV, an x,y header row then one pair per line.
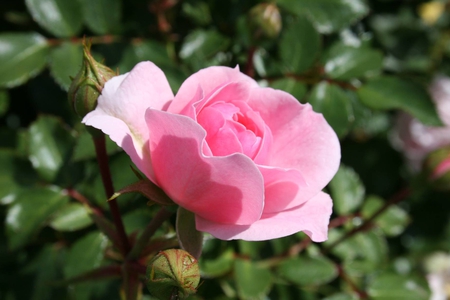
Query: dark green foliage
x,y
357,62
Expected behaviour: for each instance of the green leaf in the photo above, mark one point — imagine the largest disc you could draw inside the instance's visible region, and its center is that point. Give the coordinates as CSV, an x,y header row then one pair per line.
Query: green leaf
x,y
306,271
4,102
85,149
29,212
102,16
200,46
191,240
85,255
49,146
9,187
342,296
299,46
71,217
157,53
388,286
328,15
218,266
197,11
48,265
347,190
388,92
252,282
22,56
65,62
59,17
346,62
291,86
335,105
393,221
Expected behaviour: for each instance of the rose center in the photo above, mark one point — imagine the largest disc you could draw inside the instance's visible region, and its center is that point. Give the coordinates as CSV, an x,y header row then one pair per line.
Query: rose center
x,y
232,127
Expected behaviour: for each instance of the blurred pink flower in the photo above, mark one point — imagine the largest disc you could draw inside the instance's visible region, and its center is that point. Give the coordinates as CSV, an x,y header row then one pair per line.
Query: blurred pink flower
x,y
250,162
415,139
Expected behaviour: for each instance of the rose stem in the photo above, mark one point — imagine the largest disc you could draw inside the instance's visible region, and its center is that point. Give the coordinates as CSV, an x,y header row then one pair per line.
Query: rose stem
x,y
102,160
398,197
148,232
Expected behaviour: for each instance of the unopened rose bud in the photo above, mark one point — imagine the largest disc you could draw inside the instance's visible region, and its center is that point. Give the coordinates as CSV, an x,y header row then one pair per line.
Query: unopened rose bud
x,y
87,86
437,168
265,21
172,274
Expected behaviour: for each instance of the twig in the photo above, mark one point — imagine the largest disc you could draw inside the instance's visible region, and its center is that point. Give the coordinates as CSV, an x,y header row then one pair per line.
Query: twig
x,y
102,159
401,195
148,232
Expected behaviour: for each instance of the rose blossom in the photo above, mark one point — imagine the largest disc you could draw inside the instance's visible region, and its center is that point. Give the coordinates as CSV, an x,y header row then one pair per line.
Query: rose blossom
x,y
250,162
415,139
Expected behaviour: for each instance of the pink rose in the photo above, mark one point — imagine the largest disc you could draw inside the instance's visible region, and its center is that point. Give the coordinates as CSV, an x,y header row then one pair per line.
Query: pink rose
x,y
250,162
415,139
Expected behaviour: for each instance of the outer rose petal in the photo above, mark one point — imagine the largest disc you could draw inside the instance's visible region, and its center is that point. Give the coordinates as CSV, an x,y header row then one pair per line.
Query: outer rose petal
x,y
120,111
302,139
208,80
226,189
312,218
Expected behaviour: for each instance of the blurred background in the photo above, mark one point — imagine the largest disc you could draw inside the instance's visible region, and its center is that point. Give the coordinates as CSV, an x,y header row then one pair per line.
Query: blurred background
x,y
376,69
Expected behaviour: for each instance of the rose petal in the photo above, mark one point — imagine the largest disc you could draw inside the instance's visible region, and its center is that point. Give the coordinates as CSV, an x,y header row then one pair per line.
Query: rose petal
x,y
209,81
312,218
120,112
284,189
302,139
227,189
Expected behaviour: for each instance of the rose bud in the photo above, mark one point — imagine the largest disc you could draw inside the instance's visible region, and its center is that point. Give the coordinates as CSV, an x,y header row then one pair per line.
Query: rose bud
x,y
172,274
416,140
264,21
436,167
88,84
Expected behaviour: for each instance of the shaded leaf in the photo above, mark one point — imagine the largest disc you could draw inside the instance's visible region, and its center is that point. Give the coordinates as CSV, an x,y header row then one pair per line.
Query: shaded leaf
x,y
334,104
4,102
393,221
392,286
328,15
65,62
346,62
291,86
190,239
252,282
388,92
71,217
299,46
84,256
59,17
347,190
29,212
201,45
22,56
102,16
218,266
306,271
49,146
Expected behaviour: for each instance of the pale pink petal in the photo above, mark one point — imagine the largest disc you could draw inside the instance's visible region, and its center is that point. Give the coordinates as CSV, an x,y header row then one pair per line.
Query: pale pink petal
x,y
284,189
227,189
302,139
312,218
120,112
209,81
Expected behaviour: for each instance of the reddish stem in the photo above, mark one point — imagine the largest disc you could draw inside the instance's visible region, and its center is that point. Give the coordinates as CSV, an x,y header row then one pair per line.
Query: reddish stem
x,y
83,200
102,160
362,294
